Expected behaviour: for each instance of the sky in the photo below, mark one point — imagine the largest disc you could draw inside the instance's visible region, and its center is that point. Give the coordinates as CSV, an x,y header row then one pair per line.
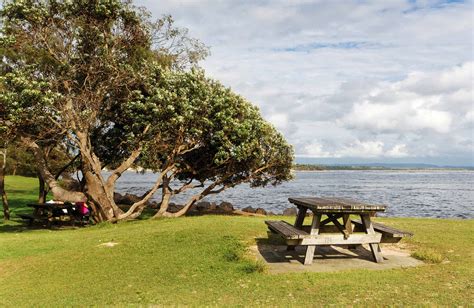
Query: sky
x,y
346,81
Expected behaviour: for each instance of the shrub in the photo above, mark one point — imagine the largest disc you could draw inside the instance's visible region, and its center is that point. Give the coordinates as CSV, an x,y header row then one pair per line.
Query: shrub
x,y
427,255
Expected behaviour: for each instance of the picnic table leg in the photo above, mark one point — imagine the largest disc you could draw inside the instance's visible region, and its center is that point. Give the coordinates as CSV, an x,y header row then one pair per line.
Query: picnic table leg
x,y
298,223
369,229
300,216
308,260
49,223
348,226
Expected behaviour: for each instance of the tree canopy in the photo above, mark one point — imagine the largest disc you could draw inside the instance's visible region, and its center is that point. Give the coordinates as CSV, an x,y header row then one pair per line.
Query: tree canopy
x,y
121,90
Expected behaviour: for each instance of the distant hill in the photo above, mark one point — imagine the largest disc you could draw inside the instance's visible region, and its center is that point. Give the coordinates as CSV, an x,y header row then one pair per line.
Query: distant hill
x,y
376,166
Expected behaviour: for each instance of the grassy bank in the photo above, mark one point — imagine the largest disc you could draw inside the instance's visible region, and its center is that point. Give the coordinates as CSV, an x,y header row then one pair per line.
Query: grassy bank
x,y
202,261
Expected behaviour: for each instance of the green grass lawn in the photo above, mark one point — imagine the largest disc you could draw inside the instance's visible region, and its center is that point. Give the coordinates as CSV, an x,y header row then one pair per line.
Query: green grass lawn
x,y
202,261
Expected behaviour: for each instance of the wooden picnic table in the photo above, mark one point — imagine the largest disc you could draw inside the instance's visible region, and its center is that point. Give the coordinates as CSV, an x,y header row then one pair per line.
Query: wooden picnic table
x,y
330,231
50,212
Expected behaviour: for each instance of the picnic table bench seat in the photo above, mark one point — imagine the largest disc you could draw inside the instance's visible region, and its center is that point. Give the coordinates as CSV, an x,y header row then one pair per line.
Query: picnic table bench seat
x,y
26,216
296,236
389,234
286,230
289,232
32,218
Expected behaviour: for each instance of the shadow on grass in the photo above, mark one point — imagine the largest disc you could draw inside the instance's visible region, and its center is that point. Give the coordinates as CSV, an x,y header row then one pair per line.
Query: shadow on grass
x,y
17,225
274,250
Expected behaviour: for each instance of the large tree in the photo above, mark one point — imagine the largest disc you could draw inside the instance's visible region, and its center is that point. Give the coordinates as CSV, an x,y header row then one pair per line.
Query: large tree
x,y
66,65
100,76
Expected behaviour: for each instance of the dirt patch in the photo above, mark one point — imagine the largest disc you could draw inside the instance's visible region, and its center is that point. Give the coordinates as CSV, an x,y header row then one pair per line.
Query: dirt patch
x,y
331,258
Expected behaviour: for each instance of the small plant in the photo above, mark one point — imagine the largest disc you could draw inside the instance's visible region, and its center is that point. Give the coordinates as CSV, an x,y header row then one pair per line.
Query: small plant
x,y
233,249
251,266
427,255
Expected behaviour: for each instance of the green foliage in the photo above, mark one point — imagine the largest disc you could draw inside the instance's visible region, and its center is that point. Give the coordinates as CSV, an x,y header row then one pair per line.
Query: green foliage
x,y
72,61
20,161
102,78
428,255
213,134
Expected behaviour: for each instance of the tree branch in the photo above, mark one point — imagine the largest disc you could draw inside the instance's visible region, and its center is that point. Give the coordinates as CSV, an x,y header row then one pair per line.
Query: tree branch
x,y
117,172
141,204
66,166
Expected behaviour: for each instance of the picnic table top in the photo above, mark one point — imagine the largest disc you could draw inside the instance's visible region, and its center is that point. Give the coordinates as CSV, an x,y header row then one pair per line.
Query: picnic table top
x,y
335,205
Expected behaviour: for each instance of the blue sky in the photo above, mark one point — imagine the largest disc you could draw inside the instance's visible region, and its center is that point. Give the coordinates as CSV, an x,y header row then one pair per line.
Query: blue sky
x,y
347,81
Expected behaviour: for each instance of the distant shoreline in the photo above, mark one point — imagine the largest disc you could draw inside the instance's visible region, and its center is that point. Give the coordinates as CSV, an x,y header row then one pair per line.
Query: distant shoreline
x,y
388,169
318,168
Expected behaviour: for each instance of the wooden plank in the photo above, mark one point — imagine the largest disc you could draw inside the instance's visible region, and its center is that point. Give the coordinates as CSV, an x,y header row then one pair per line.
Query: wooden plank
x,y
285,229
26,216
369,228
300,216
338,225
347,223
291,233
308,257
282,229
298,222
387,231
338,239
315,225
335,205
330,218
291,229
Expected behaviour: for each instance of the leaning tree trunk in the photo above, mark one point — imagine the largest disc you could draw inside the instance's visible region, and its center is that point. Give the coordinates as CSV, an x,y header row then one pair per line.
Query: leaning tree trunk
x,y
42,191
165,197
187,206
58,192
191,201
6,209
99,191
104,207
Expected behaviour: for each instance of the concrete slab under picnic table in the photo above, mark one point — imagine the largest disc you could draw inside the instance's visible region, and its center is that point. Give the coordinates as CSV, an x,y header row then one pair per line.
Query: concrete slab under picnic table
x,y
331,258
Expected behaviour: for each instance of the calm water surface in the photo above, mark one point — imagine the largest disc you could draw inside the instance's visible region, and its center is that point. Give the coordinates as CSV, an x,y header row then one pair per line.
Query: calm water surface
x,y
447,194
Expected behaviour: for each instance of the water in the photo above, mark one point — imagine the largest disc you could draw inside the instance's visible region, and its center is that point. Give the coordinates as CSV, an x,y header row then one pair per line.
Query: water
x,y
443,194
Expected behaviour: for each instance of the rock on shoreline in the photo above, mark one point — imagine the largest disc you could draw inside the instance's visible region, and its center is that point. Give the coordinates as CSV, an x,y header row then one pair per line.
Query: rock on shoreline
x,y
204,207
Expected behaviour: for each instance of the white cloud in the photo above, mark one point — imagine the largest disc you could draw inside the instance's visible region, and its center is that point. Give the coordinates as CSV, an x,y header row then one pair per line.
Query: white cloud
x,y
370,78
397,117
362,149
280,120
424,100
469,118
445,82
399,150
356,148
315,149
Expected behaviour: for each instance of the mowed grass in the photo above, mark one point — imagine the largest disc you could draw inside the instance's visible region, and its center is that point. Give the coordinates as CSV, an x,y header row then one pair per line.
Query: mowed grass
x,y
20,191
203,261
